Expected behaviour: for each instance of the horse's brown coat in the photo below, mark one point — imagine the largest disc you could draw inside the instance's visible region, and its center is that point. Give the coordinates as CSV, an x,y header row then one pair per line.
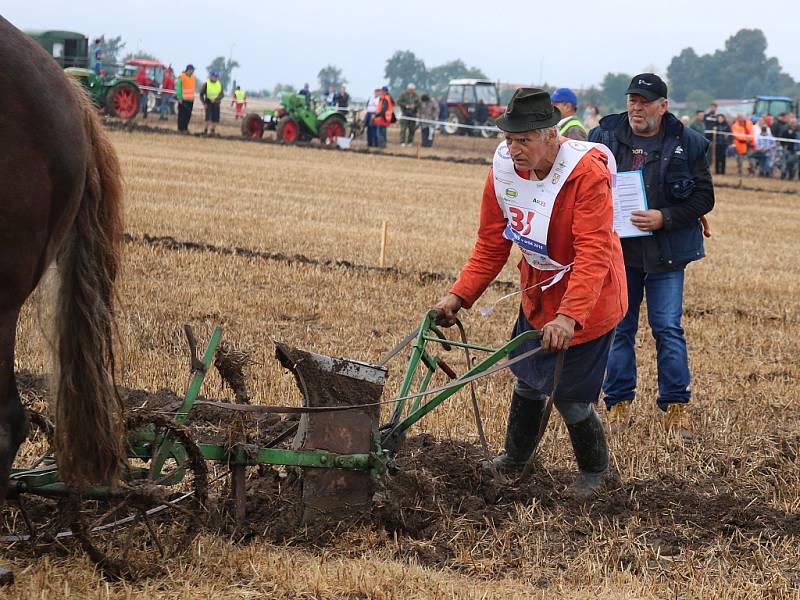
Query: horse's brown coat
x,y
60,198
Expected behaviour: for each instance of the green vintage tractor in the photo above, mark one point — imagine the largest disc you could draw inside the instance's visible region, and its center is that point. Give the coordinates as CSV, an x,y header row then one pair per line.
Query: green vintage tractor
x,y
119,97
294,121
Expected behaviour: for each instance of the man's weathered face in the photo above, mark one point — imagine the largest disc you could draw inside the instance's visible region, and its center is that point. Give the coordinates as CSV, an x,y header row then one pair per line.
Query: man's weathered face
x,y
528,149
700,116
645,115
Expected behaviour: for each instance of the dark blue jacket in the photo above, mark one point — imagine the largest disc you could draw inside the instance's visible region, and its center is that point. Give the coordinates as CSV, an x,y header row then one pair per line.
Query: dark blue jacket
x,y
678,183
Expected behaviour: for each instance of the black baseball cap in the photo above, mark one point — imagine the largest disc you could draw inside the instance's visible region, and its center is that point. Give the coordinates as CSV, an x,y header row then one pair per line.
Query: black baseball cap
x,y
648,85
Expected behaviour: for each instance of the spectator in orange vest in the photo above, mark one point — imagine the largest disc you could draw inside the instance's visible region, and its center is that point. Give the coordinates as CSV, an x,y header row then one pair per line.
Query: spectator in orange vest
x,y
384,116
744,141
185,92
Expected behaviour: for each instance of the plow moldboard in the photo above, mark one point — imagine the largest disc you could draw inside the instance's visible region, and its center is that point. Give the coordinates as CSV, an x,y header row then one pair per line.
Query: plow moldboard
x,y
335,494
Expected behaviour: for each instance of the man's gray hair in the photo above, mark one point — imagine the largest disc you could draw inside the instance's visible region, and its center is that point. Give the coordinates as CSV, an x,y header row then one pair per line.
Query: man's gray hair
x,y
547,132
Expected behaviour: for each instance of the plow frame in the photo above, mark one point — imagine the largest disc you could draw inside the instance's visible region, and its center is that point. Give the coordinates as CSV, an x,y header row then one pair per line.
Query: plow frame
x,y
409,407
429,333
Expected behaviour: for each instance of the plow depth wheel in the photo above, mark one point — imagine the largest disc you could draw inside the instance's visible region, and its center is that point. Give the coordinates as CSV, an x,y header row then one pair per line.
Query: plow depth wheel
x,y
331,129
155,516
288,130
122,101
253,126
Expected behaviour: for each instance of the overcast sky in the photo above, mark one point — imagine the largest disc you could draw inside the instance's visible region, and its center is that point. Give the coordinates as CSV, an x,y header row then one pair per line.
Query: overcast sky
x,y
519,42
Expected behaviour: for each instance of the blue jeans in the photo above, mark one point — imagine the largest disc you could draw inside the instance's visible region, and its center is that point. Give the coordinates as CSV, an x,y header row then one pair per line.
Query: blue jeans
x,y
372,131
380,132
664,308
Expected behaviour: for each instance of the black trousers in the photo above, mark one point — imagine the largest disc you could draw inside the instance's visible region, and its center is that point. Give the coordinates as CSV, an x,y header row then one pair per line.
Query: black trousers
x,y
719,160
184,114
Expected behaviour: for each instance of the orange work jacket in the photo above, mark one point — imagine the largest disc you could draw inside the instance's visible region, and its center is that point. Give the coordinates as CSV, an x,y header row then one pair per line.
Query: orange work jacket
x,y
188,84
743,136
594,292
385,106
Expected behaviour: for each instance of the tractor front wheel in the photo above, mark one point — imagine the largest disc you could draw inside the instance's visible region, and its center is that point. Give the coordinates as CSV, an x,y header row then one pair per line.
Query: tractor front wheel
x,y
453,124
331,129
288,130
122,101
253,126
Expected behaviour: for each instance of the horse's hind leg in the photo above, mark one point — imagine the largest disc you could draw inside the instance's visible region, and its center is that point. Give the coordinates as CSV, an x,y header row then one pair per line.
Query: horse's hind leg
x,y
13,422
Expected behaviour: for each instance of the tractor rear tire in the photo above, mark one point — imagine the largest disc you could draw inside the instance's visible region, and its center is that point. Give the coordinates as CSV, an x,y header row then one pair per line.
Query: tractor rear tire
x,y
122,101
287,130
332,128
253,126
453,124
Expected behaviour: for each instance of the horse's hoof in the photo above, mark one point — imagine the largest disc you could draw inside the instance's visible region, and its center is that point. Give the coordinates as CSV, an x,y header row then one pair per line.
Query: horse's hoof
x,y
6,577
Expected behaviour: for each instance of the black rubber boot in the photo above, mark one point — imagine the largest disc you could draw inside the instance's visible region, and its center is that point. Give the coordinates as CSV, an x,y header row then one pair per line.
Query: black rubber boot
x,y
591,454
524,418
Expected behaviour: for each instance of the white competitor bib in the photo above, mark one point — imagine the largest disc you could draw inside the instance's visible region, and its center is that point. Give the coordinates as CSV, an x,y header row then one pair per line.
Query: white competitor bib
x,y
528,204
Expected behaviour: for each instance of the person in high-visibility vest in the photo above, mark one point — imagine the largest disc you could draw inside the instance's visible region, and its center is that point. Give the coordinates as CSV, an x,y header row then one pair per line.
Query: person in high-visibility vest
x,y
239,101
384,116
565,100
184,92
211,95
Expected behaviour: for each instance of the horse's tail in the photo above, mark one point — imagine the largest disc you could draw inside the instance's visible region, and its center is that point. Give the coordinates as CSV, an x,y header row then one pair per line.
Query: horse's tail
x,y
90,430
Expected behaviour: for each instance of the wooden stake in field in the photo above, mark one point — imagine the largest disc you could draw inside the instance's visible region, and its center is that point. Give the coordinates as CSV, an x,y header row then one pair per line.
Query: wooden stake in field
x,y
384,232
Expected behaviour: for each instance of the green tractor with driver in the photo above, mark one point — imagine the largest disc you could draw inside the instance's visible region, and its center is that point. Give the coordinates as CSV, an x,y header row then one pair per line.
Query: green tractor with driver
x,y
119,97
295,121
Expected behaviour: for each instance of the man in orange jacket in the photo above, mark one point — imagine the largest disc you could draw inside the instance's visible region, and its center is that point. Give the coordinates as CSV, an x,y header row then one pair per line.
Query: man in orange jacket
x,y
552,198
744,141
384,116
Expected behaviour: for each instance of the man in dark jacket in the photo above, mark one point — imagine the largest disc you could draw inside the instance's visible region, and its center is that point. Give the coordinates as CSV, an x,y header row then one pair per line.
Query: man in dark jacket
x,y
673,160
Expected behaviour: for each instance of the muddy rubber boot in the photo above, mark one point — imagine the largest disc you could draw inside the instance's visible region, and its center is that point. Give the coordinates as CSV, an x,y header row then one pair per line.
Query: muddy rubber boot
x,y
524,418
591,453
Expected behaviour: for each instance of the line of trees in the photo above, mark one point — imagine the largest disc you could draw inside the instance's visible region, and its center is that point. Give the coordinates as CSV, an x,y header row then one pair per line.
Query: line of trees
x,y
404,67
739,70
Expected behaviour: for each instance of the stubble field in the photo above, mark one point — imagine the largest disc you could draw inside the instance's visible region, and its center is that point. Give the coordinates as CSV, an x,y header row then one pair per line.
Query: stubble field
x,y
289,241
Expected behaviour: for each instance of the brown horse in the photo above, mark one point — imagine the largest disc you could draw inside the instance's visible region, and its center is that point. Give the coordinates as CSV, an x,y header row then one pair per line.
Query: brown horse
x,y
60,200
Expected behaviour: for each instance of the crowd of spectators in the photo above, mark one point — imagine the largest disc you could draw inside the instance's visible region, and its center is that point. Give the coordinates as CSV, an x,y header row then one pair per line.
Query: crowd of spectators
x,y
768,147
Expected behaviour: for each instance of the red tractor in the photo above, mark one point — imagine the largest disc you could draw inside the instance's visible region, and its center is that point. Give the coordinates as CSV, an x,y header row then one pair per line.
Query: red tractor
x,y
472,102
147,74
